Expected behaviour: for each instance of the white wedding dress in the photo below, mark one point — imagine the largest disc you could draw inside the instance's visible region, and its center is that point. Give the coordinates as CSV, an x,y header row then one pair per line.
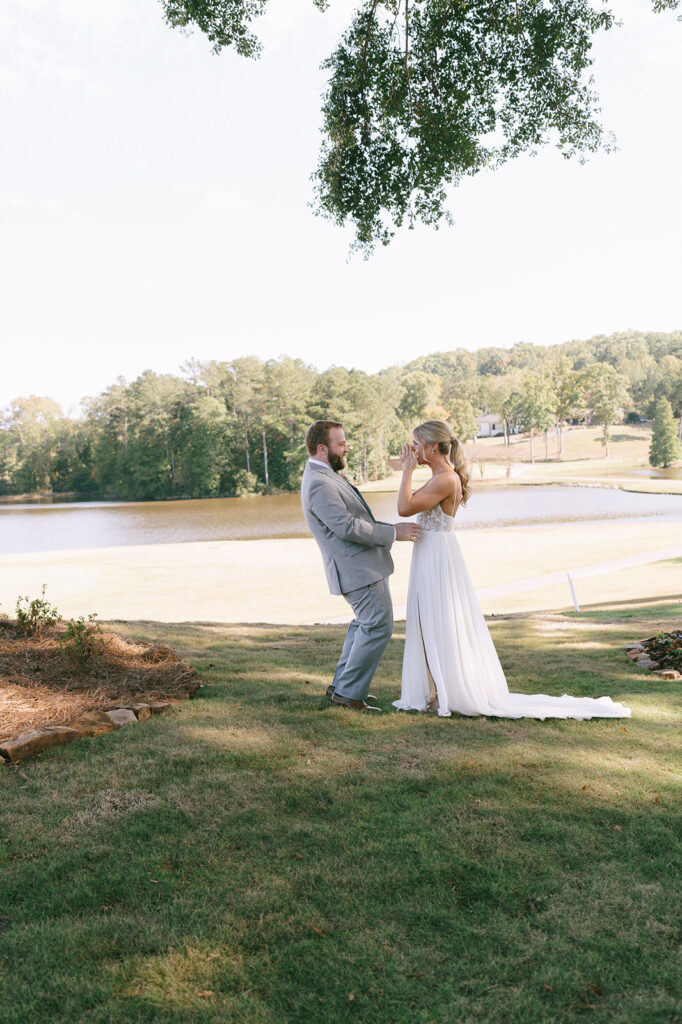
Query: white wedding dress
x,y
448,649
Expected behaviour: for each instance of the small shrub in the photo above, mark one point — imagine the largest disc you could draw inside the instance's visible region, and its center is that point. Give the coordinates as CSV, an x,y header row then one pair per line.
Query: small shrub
x,y
666,649
83,639
34,617
246,484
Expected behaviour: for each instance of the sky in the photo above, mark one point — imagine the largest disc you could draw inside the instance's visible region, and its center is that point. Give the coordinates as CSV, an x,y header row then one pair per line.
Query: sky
x,y
154,207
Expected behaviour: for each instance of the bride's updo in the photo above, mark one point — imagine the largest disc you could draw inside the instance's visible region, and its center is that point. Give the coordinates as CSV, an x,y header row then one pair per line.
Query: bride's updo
x,y
438,432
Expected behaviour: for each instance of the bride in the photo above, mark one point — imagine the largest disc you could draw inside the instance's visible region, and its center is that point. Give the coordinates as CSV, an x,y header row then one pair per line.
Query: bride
x,y
450,663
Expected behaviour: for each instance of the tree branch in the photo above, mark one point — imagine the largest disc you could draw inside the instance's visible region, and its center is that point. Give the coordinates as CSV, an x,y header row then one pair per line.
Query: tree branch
x,y
407,54
363,61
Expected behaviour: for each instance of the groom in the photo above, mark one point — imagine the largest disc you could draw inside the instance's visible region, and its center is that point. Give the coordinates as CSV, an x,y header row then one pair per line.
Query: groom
x,y
357,560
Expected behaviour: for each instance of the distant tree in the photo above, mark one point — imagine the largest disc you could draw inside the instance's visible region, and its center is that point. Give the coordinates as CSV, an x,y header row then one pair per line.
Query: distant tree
x,y
511,412
72,458
285,398
153,463
239,385
525,356
457,373
9,445
202,439
536,407
421,398
329,394
457,365
463,419
645,382
606,396
107,421
665,444
36,424
492,362
569,389
670,385
501,395
369,421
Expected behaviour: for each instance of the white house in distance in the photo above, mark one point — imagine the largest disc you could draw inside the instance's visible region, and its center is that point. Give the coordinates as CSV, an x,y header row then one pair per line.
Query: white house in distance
x,y
490,425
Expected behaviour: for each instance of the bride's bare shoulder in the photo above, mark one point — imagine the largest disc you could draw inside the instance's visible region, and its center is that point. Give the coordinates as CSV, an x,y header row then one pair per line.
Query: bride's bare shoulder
x,y
453,480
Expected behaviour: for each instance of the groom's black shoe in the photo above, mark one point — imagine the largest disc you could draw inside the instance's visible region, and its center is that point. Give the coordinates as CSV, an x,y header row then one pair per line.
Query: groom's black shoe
x,y
354,705
331,690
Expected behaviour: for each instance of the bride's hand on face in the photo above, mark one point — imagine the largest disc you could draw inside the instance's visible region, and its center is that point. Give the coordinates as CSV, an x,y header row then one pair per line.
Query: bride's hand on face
x,y
408,456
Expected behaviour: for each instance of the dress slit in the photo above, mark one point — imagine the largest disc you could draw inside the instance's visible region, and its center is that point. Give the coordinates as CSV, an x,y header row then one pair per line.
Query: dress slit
x,y
433,688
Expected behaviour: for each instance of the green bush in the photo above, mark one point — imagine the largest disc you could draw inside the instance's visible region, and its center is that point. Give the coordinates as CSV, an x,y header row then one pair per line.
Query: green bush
x,y
246,483
34,617
665,444
83,639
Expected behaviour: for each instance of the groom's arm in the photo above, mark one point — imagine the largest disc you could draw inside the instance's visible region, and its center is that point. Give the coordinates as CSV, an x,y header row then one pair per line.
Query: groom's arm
x,y
327,505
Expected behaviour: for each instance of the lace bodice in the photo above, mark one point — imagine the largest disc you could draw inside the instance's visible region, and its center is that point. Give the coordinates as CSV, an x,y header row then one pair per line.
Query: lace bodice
x,y
434,520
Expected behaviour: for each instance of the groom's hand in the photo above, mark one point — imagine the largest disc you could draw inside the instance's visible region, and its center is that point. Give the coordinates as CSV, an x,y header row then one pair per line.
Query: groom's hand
x,y
407,531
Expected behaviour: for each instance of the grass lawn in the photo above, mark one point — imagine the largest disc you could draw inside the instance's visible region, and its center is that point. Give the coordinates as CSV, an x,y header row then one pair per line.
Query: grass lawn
x,y
582,462
626,442
261,857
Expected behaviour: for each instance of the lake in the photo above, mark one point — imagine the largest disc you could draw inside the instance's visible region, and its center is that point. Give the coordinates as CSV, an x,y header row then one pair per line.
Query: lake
x,y
55,527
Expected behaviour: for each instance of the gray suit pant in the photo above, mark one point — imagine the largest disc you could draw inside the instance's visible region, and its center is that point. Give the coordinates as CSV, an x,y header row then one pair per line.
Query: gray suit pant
x,y
366,639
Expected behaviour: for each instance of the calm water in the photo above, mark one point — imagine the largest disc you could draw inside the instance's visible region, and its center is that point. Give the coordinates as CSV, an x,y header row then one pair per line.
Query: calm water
x,y
55,527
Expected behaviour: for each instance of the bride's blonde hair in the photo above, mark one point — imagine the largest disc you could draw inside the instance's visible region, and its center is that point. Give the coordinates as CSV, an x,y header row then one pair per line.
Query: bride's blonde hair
x,y
438,432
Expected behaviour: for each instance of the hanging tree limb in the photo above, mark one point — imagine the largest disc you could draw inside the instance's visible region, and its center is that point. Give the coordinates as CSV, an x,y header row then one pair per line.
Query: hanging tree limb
x,y
475,83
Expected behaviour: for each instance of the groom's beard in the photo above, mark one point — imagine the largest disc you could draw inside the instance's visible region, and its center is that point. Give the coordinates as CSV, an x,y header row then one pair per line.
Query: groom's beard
x,y
337,462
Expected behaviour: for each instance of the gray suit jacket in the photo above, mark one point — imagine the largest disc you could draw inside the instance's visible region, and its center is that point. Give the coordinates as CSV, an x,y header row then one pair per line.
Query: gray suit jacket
x,y
355,547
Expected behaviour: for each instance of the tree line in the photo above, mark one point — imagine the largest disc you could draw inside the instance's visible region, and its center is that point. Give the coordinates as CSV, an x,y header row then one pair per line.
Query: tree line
x,y
238,427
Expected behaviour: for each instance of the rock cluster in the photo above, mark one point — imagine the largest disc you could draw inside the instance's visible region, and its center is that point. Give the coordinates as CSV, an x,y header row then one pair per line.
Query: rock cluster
x,y
92,723
642,659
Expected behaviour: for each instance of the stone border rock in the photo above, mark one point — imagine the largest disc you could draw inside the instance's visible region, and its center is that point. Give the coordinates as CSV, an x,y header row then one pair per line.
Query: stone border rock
x,y
640,656
92,723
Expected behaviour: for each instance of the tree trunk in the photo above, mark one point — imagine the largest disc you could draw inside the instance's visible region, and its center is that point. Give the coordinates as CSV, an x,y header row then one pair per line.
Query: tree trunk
x,y
170,456
246,441
532,457
605,435
265,460
547,446
506,431
561,439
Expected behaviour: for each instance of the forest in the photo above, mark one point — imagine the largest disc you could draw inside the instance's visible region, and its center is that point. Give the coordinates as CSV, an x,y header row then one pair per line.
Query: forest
x,y
237,427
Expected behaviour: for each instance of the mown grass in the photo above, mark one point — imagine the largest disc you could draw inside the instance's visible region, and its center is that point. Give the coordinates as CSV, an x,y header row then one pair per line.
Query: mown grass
x,y
626,442
583,461
260,857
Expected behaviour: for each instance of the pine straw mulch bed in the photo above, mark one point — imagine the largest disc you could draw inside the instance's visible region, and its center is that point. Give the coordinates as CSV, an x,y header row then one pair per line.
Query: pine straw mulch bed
x,y
41,684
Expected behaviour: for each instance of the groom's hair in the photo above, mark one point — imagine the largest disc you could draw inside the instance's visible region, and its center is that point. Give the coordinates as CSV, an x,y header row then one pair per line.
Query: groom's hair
x,y
318,433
